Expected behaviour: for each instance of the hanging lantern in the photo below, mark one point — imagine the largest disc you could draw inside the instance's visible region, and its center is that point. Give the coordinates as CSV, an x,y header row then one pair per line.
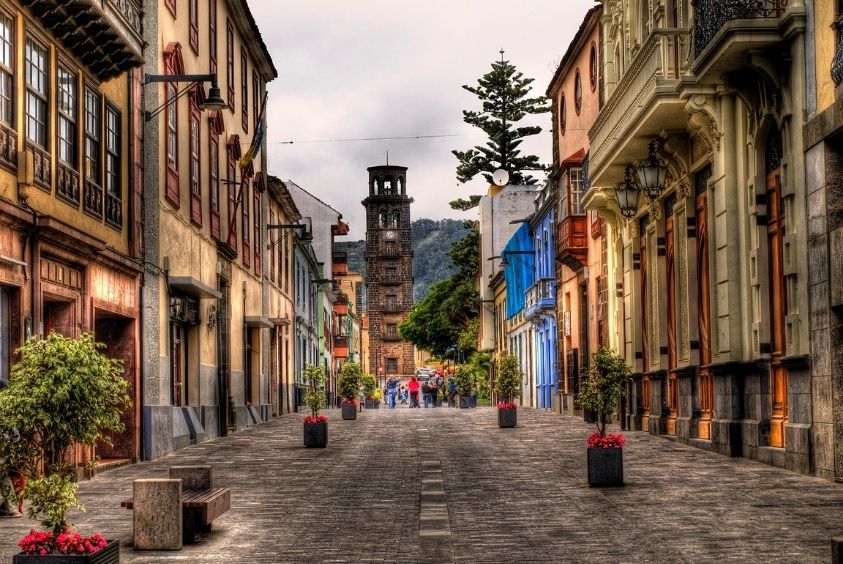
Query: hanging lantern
x,y
627,193
652,173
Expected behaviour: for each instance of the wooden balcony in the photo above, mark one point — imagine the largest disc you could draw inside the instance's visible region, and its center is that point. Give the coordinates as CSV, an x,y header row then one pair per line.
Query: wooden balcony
x,y
340,346
106,35
341,304
572,242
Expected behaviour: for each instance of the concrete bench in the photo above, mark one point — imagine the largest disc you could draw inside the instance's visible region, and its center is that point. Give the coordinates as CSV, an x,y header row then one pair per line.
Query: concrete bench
x,y
198,503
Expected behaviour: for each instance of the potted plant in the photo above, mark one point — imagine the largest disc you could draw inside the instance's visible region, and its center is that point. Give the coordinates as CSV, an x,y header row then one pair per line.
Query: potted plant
x,y
64,392
604,385
370,386
347,386
315,426
508,389
464,379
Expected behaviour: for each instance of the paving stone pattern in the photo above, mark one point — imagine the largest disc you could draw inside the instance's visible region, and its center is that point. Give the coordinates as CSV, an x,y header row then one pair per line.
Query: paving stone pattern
x,y
511,495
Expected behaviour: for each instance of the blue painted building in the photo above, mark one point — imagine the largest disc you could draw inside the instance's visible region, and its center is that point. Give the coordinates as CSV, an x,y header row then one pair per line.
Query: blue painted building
x,y
518,261
540,299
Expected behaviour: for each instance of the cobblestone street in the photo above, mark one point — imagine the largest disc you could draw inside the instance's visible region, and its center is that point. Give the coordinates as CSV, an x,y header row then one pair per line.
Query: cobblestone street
x,y
513,495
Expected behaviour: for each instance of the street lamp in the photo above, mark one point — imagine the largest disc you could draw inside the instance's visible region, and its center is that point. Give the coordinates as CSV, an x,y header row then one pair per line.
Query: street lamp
x,y
213,102
652,173
627,194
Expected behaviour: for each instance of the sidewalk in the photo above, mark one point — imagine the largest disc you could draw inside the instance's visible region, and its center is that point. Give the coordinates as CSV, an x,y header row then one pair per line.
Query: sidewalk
x,y
512,495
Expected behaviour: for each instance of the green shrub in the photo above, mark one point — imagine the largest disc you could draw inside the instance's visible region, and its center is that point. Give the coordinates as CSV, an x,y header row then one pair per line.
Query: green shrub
x,y
51,497
314,394
508,379
370,384
604,385
464,379
349,380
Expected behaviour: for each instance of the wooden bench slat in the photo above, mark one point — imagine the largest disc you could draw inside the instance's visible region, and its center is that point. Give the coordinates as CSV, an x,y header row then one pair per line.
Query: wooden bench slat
x,y
213,502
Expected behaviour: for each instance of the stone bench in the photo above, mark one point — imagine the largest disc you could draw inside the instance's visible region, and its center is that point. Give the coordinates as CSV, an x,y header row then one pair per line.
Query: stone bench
x,y
170,512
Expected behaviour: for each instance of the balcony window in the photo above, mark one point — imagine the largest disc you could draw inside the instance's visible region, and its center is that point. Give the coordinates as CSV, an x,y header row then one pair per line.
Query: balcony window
x,y
92,136
212,34
67,107
244,89
392,365
112,151
7,66
244,201
195,187
229,50
37,94
576,191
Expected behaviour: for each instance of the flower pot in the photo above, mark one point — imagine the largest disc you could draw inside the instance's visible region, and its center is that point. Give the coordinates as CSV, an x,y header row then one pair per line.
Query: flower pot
x,y
316,434
349,412
465,402
605,466
109,554
507,417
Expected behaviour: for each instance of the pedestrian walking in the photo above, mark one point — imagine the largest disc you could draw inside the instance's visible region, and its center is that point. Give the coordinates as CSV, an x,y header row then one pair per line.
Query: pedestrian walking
x,y
425,388
361,394
8,500
414,391
391,392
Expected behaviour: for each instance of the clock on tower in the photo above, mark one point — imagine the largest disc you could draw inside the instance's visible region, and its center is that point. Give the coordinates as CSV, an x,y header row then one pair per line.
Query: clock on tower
x,y
389,271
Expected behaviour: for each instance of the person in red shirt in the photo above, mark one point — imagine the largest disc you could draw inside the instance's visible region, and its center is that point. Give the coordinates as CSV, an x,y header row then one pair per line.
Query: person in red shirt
x,y
414,391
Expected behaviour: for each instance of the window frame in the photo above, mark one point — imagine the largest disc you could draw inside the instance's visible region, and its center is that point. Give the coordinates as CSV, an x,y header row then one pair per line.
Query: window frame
x,y
193,25
231,171
93,136
229,47
244,89
256,222
575,177
593,70
245,205
113,177
578,92
195,160
212,34
71,117
255,95
38,95
214,181
563,114
9,70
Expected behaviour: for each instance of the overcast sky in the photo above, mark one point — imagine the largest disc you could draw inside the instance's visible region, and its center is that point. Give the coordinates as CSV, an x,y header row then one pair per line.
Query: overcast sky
x,y
379,68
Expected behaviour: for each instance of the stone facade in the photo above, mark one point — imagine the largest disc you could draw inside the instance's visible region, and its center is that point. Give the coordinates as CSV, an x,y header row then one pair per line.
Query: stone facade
x,y
389,271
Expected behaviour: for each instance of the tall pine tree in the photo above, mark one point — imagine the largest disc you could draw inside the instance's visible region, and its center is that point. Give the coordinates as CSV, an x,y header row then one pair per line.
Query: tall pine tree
x,y
503,93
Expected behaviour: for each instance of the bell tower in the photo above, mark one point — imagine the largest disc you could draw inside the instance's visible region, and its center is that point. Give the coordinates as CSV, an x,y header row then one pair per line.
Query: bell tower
x,y
389,270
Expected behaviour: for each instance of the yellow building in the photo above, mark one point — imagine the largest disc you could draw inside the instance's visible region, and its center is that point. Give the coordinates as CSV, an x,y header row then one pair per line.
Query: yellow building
x,y
281,238
70,185
207,330
703,121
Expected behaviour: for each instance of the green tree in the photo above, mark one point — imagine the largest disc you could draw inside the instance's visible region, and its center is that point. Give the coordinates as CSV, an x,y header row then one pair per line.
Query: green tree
x,y
604,385
62,392
427,326
314,394
464,379
349,380
370,385
508,379
504,96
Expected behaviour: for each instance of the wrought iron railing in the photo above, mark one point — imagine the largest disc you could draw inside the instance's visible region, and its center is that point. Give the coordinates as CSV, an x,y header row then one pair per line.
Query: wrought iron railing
x,y
837,65
711,15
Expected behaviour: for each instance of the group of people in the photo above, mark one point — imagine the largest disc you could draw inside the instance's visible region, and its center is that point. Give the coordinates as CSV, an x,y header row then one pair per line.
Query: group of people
x,y
435,388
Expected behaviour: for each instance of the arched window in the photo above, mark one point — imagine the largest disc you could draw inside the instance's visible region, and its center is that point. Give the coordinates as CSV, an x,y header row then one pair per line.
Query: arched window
x,y
376,187
563,118
400,189
396,218
578,92
592,67
387,187
382,219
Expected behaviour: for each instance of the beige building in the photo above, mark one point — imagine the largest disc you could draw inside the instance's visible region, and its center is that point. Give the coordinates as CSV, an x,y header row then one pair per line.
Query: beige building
x,y
281,238
207,328
710,261
70,187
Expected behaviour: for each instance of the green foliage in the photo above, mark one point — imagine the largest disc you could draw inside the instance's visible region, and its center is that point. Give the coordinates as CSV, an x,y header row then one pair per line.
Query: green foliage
x,y
503,94
462,204
464,379
508,378
349,380
62,391
314,394
604,385
426,326
465,255
469,336
50,498
370,385
480,363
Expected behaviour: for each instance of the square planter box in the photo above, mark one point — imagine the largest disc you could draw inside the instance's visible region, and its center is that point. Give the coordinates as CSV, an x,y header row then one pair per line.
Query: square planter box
x,y
465,402
316,435
507,417
109,554
605,467
349,412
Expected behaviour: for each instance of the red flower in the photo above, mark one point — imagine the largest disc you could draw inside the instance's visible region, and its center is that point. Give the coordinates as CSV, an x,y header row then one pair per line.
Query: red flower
x,y
43,542
317,419
507,405
606,441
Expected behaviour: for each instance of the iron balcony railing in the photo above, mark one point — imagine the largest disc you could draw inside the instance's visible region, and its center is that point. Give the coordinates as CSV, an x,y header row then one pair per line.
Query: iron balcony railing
x,y
540,296
711,15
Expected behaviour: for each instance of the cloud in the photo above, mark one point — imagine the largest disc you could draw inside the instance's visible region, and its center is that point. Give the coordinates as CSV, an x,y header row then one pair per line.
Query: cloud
x,y
373,68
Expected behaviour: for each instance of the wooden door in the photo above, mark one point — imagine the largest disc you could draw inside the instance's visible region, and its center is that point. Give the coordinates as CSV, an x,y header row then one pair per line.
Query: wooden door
x,y
778,307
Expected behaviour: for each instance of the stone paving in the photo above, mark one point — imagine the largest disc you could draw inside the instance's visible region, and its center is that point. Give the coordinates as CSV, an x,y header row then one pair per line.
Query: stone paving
x,y
510,495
